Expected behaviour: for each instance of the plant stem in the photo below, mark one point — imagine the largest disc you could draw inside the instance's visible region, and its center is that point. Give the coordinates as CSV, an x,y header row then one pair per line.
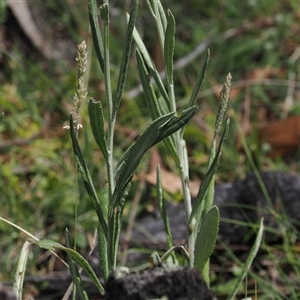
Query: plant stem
x,y
109,101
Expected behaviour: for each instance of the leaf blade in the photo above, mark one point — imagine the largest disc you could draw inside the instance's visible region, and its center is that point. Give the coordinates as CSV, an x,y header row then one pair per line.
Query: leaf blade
x,y
85,176
52,245
96,34
169,47
96,117
206,238
126,56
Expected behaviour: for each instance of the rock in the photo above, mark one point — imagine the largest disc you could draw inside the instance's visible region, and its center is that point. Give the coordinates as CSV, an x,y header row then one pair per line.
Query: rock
x,y
176,284
243,201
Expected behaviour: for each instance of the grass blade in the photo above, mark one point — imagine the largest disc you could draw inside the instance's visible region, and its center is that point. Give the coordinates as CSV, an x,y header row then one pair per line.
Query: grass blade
x,y
249,260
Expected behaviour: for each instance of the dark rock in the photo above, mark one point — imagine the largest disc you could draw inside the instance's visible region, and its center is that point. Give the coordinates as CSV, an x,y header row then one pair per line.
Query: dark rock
x,y
178,284
243,201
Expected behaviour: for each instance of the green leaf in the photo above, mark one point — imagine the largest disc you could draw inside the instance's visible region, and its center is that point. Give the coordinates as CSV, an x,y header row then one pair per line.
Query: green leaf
x,y
52,245
162,207
150,64
96,34
150,8
159,23
115,228
148,89
199,81
126,56
74,270
176,123
130,160
248,263
104,14
199,202
162,16
169,47
96,116
206,238
85,175
102,239
103,252
158,130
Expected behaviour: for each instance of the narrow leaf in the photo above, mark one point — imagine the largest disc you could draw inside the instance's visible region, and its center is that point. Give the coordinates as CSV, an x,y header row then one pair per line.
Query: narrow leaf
x,y
162,16
150,64
206,238
96,116
102,239
162,207
149,93
104,14
103,252
205,182
248,263
169,47
130,160
150,8
74,270
159,24
169,143
20,271
126,56
199,81
96,34
176,123
52,245
85,175
116,222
